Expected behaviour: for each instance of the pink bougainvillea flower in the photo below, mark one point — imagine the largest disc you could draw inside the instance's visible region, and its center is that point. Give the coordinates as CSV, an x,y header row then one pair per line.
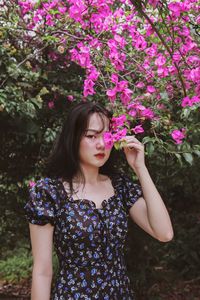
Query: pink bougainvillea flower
x,y
175,8
114,78
160,60
112,94
126,96
118,121
31,183
154,3
93,74
151,89
140,43
119,134
62,10
122,85
88,87
176,56
51,104
140,85
187,101
120,40
138,129
147,113
132,113
178,135
70,97
108,139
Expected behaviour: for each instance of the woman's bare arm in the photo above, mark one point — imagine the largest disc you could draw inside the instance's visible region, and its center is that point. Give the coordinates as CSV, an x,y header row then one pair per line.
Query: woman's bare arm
x,y
150,212
42,244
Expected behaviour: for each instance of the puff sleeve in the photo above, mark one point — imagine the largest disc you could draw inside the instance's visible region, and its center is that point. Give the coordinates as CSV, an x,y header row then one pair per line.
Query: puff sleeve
x,y
131,192
41,209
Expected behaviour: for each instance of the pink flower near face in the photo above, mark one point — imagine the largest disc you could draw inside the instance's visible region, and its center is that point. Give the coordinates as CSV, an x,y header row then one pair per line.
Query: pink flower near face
x,y
178,135
119,134
108,139
138,129
118,121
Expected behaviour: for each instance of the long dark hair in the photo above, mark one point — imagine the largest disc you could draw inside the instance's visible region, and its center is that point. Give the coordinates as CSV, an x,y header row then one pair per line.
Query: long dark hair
x,y
63,161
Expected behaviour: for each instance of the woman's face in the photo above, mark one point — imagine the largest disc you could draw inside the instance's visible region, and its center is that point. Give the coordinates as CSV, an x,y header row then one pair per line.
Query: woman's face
x,y
92,151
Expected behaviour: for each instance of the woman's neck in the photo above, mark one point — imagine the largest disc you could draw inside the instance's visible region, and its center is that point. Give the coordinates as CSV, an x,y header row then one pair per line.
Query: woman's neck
x,y
91,176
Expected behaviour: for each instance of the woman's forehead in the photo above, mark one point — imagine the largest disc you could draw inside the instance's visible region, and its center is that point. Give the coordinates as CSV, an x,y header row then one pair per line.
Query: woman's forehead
x,y
98,122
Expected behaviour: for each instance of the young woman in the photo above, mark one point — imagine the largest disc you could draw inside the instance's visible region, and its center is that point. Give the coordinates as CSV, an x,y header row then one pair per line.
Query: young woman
x,y
83,208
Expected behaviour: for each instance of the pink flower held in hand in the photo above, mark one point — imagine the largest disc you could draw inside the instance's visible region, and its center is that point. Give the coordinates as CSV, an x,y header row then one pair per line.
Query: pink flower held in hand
x,y
178,135
119,135
138,129
108,139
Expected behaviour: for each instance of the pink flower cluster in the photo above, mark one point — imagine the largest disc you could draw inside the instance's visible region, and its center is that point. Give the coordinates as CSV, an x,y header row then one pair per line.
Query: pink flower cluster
x,y
187,101
178,135
136,109
120,87
118,131
123,53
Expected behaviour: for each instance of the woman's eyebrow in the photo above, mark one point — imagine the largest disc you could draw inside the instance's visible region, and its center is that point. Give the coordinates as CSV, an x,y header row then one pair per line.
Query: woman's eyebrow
x,y
94,130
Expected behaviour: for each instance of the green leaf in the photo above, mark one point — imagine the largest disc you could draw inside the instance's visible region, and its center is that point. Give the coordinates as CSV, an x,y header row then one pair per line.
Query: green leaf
x,y
150,148
197,152
179,158
188,157
146,139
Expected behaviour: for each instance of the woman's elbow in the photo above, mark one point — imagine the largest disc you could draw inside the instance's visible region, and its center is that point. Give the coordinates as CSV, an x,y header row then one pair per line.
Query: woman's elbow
x,y
42,270
167,237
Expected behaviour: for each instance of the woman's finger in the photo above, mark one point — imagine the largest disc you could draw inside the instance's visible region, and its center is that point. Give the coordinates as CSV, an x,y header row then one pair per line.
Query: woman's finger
x,y
129,139
132,145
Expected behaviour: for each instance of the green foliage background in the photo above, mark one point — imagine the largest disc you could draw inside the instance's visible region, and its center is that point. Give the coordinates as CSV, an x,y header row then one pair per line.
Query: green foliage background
x,y
29,79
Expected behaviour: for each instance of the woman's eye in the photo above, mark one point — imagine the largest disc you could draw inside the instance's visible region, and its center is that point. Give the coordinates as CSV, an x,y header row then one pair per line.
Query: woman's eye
x,y
91,136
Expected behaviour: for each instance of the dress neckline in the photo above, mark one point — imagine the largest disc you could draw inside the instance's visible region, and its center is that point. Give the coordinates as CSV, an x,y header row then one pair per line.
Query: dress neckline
x,y
104,202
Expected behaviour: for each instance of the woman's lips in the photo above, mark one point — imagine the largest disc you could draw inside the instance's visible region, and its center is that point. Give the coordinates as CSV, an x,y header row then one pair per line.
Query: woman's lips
x,y
100,155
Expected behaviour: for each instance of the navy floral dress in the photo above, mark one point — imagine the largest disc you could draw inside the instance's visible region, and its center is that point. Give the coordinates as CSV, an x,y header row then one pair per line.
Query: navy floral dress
x,y
89,241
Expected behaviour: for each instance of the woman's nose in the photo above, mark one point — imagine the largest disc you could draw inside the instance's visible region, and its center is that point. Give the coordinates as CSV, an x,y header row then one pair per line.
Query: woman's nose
x,y
101,142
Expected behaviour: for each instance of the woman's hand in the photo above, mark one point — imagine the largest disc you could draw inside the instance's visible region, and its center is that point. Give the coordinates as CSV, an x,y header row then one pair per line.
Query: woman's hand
x,y
134,151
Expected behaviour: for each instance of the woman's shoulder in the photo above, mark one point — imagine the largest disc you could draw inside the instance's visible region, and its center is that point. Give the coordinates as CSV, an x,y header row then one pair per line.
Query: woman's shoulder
x,y
44,183
43,203
44,186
